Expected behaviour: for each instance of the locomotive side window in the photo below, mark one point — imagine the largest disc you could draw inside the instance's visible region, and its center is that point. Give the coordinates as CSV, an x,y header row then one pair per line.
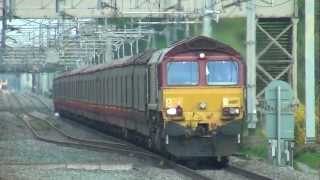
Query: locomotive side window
x,y
222,73
182,73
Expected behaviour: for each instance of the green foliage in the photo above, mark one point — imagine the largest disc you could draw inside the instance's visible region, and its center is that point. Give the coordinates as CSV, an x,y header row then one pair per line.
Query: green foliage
x,y
312,159
300,124
299,131
223,31
260,151
231,32
40,125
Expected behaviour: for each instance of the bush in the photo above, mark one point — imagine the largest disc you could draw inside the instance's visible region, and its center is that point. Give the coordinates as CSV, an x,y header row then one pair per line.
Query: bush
x,y
299,131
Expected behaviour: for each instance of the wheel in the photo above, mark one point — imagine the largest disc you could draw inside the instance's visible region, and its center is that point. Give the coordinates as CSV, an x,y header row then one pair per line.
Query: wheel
x,y
158,140
222,163
125,132
150,143
155,139
193,164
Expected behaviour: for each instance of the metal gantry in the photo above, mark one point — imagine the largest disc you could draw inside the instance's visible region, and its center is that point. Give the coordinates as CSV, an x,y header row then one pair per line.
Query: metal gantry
x,y
95,44
271,55
70,42
143,8
66,30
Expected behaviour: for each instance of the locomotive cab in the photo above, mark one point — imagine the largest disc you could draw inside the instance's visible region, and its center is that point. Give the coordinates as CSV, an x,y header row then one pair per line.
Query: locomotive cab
x,y
202,103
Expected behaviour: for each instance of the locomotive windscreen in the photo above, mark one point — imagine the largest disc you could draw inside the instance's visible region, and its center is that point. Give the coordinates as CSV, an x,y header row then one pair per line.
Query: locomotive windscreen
x,y
222,73
183,73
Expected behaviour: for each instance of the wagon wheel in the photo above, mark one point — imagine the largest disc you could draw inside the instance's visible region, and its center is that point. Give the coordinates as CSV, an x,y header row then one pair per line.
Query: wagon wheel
x,y
151,125
159,136
124,132
155,139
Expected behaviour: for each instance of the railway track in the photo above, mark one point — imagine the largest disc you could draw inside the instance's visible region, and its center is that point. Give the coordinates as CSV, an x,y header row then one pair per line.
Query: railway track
x,y
47,107
37,102
246,173
64,134
103,145
125,148
129,148
115,147
121,148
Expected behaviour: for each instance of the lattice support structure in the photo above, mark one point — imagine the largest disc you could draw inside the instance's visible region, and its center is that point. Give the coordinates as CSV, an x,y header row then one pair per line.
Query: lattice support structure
x,y
69,42
276,52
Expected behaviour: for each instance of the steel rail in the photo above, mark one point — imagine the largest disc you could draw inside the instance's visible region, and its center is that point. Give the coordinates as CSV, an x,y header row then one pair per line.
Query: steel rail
x,y
95,142
110,146
34,98
41,102
246,173
179,168
75,138
63,133
89,145
144,153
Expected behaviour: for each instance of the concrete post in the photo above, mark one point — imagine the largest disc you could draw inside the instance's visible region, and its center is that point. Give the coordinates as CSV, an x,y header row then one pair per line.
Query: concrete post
x,y
187,32
123,50
207,30
167,35
34,82
295,58
310,70
4,25
153,41
137,46
251,64
207,21
295,21
149,41
173,33
131,48
108,52
279,125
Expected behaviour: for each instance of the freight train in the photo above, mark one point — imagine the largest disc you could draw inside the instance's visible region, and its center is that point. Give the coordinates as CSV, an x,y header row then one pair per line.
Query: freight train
x,y
186,101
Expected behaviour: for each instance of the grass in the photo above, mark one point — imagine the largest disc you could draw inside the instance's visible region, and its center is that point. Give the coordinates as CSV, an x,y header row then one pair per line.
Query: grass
x,y
260,151
310,158
40,125
255,145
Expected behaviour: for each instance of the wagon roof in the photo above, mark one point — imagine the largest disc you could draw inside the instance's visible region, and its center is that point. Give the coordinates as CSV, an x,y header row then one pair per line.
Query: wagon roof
x,y
200,43
141,58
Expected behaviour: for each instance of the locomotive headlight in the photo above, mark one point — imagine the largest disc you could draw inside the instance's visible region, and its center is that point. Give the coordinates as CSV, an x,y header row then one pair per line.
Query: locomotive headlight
x,y
178,111
203,105
172,111
234,111
202,55
231,111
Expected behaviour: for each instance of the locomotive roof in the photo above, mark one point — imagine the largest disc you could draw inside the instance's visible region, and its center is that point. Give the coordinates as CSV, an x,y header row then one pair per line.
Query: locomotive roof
x,y
199,43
